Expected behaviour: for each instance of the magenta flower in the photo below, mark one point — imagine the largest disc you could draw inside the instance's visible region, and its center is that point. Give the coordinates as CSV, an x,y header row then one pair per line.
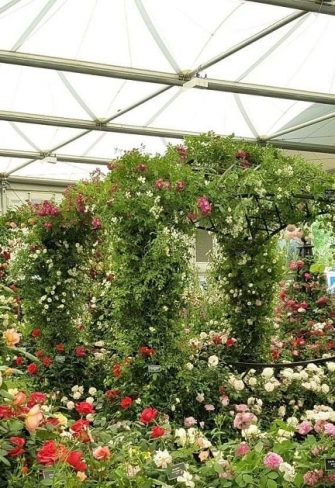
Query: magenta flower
x,y
96,223
204,205
182,151
329,429
272,460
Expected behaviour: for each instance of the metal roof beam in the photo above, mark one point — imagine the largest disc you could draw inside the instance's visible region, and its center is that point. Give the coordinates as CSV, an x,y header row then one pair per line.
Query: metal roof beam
x,y
38,181
163,78
320,7
308,123
12,153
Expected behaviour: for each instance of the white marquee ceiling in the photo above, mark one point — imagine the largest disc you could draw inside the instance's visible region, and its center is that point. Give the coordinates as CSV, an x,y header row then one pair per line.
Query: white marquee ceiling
x,y
81,81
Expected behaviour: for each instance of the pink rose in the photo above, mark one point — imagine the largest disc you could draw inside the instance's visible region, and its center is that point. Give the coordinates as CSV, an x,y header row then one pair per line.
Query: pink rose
x,y
242,449
272,460
304,428
244,420
204,205
189,421
329,429
312,478
101,453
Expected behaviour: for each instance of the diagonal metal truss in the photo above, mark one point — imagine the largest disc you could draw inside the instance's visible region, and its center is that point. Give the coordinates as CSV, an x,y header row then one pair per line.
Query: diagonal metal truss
x,y
321,6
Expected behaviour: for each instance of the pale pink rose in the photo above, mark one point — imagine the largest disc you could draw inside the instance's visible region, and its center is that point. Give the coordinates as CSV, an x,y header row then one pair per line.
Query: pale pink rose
x,y
242,449
241,408
224,400
209,407
189,421
319,426
81,476
272,460
329,429
312,478
203,455
101,453
244,420
11,337
304,428
33,418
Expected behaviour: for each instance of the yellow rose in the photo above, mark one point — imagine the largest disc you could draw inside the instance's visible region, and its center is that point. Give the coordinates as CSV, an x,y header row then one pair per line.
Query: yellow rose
x,y
11,337
61,418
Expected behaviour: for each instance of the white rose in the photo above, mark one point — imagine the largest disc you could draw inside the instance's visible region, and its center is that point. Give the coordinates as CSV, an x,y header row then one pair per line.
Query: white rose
x,y
325,388
162,458
90,400
76,395
238,385
282,411
181,437
189,366
292,422
331,366
269,387
288,471
213,361
200,397
70,405
92,391
252,381
267,373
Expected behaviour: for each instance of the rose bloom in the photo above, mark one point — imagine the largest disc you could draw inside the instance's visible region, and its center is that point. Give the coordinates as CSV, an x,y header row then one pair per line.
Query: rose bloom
x,y
101,453
60,347
272,460
148,415
36,332
180,185
84,408
147,351
126,402
157,431
112,394
36,398
20,398
19,360
244,420
189,421
75,460
204,205
47,454
32,368
304,428
116,370
242,449
47,362
33,418
96,225
11,337
18,450
312,478
329,429
80,351
6,412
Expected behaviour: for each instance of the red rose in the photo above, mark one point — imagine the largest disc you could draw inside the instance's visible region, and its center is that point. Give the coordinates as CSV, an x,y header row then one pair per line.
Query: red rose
x,y
116,370
217,339
275,355
80,351
80,430
230,342
47,361
47,454
18,442
74,458
39,354
6,255
112,394
147,351
322,301
32,368
60,347
142,168
126,402
51,421
157,431
19,361
148,415
84,408
180,185
36,332
36,398
6,412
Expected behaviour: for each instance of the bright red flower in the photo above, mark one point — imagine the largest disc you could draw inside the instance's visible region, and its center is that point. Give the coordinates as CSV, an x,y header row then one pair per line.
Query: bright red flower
x,y
75,460
80,351
112,394
157,431
60,347
36,398
47,361
36,332
148,415
116,370
47,454
6,412
80,430
18,450
39,354
51,421
19,360
32,368
230,342
126,402
84,408
147,351
275,355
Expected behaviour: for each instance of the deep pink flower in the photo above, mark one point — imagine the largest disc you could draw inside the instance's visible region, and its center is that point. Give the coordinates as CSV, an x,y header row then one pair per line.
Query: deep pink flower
x,y
329,429
180,185
204,205
96,223
182,151
272,460
142,168
242,449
